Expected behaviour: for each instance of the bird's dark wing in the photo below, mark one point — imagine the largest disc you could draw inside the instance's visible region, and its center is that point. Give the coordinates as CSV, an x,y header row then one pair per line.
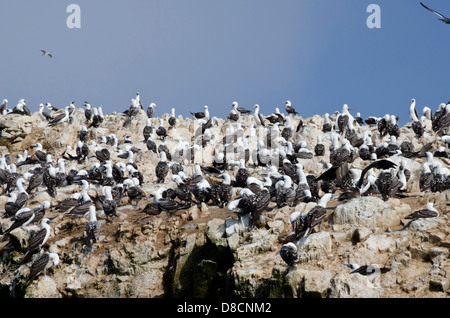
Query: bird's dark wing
x,y
433,11
380,164
38,266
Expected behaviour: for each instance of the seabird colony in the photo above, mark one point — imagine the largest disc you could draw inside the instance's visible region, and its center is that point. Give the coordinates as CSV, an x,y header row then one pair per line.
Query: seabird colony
x,y
248,165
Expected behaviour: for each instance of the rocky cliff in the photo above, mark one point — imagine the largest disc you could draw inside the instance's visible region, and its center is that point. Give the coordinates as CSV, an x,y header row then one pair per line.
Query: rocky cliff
x,y
206,251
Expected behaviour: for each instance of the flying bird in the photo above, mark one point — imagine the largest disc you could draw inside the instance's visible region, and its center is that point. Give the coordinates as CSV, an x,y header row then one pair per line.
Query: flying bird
x,y
443,18
44,52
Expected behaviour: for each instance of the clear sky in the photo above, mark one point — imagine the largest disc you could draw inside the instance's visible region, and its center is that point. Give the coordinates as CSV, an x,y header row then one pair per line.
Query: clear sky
x,y
319,54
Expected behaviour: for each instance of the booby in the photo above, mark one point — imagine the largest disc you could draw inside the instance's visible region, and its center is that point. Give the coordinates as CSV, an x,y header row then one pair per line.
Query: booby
x,y
441,120
22,218
258,117
285,192
182,191
148,129
441,153
225,190
327,127
161,131
392,126
43,114
289,254
425,177
276,117
162,168
39,153
200,115
239,109
88,112
22,194
242,175
92,227
316,215
441,17
44,262
288,130
109,204
166,204
289,109
151,110
83,134
4,107
134,192
319,148
388,184
61,118
429,212
371,121
416,125
366,270
233,115
96,120
172,119
38,240
46,53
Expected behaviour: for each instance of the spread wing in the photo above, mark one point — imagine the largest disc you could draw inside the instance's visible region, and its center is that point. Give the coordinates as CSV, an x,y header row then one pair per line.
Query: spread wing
x,y
443,17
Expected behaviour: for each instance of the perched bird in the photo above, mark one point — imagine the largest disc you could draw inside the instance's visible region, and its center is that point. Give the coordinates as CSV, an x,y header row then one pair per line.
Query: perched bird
x,y
429,212
44,262
109,204
289,109
38,240
92,227
200,115
161,130
162,168
289,254
239,109
367,270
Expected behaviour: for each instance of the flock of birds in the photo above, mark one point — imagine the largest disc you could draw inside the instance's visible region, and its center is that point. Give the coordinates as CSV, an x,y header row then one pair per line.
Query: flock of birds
x,y
277,175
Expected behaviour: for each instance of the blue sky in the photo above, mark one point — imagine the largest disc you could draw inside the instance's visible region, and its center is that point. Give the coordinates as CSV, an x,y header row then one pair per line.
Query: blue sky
x,y
319,54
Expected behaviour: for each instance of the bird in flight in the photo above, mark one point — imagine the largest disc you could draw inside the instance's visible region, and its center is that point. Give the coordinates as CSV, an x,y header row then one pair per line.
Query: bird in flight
x,y
443,18
44,52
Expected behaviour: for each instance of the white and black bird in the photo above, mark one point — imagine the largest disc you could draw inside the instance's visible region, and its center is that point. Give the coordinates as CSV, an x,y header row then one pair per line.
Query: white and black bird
x,y
201,115
161,130
289,109
43,114
151,110
148,129
44,262
317,214
92,227
38,240
429,212
289,254
4,107
61,118
109,205
172,119
441,17
162,168
88,112
367,270
239,109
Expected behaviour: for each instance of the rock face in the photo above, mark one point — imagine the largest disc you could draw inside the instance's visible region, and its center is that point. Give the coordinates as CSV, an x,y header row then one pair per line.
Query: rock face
x,y
206,251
